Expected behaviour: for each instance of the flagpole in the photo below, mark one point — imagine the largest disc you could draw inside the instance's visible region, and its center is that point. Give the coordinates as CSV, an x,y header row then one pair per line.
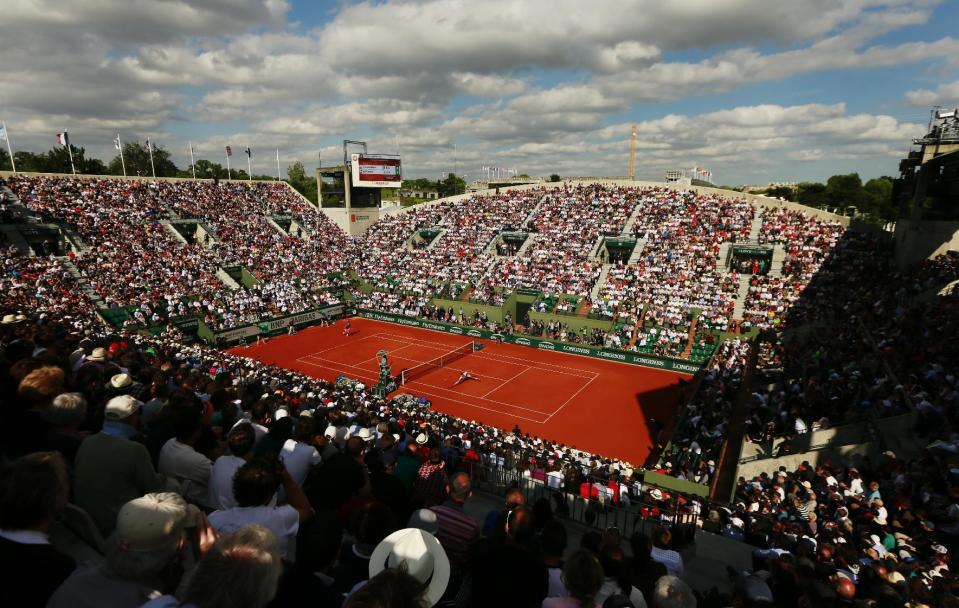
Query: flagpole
x,y
66,139
6,136
152,168
228,176
249,163
277,164
192,162
123,163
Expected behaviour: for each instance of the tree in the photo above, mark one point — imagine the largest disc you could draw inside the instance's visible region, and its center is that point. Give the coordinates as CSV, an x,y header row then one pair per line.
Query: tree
x,y
784,192
451,186
523,175
305,185
878,195
5,160
554,177
812,194
845,190
137,159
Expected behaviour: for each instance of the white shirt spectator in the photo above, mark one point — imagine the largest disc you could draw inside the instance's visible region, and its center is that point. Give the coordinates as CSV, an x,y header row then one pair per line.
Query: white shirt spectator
x,y
299,458
283,521
221,481
188,466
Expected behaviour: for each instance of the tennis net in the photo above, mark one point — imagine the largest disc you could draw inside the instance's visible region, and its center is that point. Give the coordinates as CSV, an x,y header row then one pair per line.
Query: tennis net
x,y
418,371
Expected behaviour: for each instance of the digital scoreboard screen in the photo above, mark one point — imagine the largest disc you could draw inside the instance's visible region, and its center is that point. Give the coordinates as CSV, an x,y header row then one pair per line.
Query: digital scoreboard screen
x,y
376,171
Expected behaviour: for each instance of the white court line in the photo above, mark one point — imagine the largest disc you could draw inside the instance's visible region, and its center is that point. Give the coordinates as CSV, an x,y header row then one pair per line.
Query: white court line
x,y
497,357
571,398
512,405
505,382
337,346
373,358
437,396
560,352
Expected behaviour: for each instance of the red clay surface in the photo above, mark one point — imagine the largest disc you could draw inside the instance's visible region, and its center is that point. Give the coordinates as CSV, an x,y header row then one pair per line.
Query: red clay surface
x,y
600,406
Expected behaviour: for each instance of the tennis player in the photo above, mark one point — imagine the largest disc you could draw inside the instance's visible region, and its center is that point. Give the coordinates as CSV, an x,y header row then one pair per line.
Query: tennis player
x,y
464,377
347,327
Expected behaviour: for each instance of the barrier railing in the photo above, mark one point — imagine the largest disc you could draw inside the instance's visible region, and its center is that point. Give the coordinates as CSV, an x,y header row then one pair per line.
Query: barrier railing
x,y
631,507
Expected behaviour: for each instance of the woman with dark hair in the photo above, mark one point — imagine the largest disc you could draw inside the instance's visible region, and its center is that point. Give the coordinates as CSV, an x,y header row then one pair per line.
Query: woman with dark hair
x,y
617,580
33,492
583,577
646,571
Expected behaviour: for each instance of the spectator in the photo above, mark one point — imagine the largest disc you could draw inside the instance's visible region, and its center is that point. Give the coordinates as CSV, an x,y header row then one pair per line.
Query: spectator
x,y
661,552
241,570
671,592
112,469
553,547
240,444
457,530
582,577
430,484
616,579
142,557
254,488
34,490
179,459
511,565
417,553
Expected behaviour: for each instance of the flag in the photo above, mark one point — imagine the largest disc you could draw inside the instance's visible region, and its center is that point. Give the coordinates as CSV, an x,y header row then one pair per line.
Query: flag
x,y
149,146
116,142
3,133
249,152
229,151
63,139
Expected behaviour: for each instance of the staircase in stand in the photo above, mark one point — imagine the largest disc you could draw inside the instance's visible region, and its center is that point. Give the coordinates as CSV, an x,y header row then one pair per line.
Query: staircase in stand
x,y
594,293
741,295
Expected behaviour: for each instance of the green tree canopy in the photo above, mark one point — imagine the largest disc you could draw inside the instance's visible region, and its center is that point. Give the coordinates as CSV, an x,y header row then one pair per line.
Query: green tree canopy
x,y
554,177
301,182
5,160
451,186
137,159
57,160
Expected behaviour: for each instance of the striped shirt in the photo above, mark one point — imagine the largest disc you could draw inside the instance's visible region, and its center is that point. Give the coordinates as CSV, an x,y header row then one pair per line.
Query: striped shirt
x,y
457,531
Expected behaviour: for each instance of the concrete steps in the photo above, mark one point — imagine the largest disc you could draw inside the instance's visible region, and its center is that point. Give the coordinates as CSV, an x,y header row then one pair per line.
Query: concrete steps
x,y
594,252
757,225
637,251
16,239
594,293
526,244
776,266
76,243
741,294
87,289
628,228
532,214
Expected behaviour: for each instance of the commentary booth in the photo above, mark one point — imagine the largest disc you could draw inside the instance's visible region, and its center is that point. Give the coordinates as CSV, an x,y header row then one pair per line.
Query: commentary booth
x,y
350,194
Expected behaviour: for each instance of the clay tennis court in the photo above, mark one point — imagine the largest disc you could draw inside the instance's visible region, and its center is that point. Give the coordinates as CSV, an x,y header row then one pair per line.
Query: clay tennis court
x,y
596,405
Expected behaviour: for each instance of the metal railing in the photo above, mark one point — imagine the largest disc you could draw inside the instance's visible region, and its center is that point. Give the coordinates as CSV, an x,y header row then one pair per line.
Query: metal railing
x,y
630,508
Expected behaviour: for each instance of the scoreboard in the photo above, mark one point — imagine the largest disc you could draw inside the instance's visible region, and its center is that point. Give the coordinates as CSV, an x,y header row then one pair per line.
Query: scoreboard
x,y
376,171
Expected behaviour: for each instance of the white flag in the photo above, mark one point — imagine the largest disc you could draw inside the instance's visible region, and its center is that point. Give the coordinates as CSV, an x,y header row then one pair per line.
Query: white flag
x,y
3,134
149,146
116,142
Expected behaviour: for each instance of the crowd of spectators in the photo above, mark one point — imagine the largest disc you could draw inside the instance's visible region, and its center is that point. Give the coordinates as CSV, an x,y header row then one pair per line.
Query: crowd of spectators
x,y
202,468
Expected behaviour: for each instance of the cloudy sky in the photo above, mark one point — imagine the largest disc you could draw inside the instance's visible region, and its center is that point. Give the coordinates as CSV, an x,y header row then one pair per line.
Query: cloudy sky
x,y
754,90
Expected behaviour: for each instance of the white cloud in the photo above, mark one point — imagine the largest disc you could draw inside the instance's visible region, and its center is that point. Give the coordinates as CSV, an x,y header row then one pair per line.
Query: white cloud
x,y
943,95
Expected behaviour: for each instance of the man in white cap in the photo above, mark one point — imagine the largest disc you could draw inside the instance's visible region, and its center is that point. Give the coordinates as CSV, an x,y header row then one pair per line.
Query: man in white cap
x,y
111,469
148,541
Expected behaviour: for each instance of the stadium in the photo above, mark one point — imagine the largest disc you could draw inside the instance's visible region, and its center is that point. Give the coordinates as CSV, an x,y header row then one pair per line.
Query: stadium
x,y
528,391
